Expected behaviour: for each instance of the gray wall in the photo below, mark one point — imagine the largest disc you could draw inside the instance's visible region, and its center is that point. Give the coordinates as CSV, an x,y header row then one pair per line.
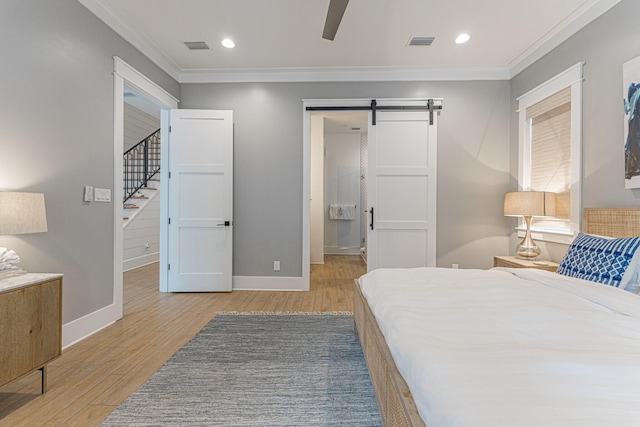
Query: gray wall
x,y
473,166
604,45
56,136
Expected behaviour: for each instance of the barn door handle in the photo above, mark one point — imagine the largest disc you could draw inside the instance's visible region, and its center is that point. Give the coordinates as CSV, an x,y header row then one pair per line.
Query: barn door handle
x,y
371,224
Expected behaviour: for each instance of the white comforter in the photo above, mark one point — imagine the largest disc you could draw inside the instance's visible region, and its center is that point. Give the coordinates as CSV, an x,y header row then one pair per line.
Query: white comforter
x,y
511,347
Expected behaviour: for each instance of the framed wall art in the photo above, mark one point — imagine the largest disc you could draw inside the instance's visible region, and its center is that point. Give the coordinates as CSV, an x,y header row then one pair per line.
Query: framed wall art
x,y
631,100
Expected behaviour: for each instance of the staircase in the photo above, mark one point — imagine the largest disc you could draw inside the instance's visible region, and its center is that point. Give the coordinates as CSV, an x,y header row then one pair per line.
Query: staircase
x,y
141,167
136,203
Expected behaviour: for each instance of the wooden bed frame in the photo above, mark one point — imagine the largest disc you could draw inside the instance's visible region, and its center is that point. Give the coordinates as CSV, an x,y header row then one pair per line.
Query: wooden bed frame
x,y
396,404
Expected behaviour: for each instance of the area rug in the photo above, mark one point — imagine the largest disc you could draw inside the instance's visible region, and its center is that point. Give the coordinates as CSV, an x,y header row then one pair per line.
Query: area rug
x,y
259,370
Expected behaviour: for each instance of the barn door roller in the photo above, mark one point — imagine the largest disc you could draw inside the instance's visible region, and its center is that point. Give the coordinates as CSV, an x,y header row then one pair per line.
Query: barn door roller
x,y
374,107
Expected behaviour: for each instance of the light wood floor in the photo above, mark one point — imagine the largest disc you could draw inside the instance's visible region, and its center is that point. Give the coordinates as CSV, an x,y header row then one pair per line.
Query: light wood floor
x,y
97,374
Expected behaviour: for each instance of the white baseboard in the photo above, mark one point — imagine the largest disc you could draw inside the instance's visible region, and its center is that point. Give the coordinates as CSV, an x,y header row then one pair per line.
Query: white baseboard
x,y
81,328
333,250
130,264
269,283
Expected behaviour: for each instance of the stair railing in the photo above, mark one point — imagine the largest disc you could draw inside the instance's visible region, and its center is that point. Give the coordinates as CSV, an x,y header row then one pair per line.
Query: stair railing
x,y
140,163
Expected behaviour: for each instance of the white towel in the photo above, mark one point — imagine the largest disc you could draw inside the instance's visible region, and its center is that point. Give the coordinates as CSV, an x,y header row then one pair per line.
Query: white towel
x,y
334,212
342,212
349,212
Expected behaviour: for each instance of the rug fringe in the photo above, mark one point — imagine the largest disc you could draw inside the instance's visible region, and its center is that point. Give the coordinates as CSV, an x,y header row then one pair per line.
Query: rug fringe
x,y
285,313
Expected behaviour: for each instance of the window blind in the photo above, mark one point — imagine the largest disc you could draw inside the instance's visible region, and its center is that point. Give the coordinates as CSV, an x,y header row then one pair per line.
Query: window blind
x,y
550,132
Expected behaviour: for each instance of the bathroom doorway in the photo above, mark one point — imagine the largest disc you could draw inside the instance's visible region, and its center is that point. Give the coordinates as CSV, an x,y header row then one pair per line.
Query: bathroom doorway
x,y
338,206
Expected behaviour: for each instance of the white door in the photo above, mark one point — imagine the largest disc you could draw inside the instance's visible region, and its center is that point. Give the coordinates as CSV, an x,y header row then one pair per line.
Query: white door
x,y
402,191
200,201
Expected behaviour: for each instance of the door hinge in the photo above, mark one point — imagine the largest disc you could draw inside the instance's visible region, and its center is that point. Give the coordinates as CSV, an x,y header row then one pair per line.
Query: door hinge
x,y
169,220
169,175
169,129
168,266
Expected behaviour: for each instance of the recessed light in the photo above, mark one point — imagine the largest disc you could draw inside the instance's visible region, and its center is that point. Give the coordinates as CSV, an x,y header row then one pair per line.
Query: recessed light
x,y
228,43
462,38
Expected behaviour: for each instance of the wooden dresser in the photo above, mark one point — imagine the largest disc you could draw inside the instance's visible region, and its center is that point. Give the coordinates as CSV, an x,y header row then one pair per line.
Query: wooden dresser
x,y
30,325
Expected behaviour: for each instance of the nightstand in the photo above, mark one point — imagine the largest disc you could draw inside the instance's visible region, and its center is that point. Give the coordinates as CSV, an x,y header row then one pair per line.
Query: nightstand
x,y
515,262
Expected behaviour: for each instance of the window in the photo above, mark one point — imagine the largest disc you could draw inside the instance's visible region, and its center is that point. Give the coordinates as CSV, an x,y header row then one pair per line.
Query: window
x,y
550,150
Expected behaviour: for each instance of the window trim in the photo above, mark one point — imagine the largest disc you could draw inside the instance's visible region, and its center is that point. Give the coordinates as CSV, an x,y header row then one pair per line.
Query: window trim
x,y
572,77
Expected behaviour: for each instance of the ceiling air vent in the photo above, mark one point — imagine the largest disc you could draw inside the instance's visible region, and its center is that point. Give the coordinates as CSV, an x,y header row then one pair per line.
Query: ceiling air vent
x,y
196,45
421,41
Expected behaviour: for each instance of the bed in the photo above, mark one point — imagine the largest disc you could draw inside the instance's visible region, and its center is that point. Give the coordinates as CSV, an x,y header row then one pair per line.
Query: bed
x,y
459,366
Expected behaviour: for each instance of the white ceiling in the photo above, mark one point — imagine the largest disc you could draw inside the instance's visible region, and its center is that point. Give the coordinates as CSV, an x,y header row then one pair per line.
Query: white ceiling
x,y
345,121
280,40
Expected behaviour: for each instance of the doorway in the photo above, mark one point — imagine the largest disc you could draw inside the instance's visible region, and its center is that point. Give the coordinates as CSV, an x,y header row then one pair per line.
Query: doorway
x,y
401,179
125,75
338,184
141,213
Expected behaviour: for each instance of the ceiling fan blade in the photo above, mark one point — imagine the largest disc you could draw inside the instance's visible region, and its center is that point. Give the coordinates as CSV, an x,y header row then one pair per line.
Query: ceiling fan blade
x,y
334,16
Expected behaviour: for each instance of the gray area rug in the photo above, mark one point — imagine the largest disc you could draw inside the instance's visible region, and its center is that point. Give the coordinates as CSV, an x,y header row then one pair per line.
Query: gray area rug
x,y
259,370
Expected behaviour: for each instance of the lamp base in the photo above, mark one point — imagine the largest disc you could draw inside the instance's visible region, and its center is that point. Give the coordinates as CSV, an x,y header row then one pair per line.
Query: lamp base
x,y
527,249
530,253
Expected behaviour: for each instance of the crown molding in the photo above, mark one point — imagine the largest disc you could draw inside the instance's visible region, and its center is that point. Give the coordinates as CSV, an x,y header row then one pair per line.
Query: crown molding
x,y
344,74
582,16
140,42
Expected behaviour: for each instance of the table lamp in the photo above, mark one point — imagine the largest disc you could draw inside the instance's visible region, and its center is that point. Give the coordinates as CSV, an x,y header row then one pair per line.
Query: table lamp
x,y
20,213
529,204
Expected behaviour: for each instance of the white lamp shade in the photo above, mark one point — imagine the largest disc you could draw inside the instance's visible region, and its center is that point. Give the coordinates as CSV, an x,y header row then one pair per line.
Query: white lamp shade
x,y
530,203
22,213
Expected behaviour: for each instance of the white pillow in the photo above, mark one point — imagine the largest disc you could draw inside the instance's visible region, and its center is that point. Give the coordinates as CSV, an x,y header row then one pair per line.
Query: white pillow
x,y
631,278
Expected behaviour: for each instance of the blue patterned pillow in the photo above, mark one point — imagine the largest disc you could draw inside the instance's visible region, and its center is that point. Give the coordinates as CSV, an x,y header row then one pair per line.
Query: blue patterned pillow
x,y
599,259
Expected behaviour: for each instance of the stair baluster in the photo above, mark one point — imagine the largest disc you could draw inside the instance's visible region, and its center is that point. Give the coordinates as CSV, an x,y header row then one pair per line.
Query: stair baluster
x,y
141,163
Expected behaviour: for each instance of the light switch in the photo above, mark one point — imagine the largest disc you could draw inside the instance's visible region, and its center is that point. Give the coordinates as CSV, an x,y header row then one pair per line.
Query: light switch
x,y
88,193
103,195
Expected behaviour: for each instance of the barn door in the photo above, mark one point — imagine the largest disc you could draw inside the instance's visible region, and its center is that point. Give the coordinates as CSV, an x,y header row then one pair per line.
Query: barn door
x,y
402,191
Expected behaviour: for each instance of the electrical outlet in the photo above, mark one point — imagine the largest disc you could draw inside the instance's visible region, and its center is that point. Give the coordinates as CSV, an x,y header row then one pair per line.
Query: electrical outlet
x,y
88,193
276,265
454,266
